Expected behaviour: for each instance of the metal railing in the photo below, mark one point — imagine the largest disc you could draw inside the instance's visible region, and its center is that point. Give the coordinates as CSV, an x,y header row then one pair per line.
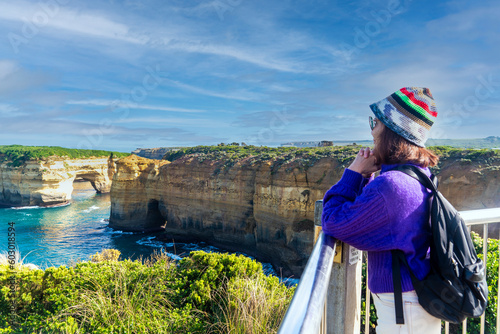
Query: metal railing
x,y
304,315
306,311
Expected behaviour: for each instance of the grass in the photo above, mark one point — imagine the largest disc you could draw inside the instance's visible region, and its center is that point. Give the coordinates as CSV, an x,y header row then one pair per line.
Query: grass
x,y
129,305
252,306
5,260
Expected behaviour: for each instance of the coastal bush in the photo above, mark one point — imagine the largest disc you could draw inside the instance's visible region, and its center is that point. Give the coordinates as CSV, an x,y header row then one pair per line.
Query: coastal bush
x,y
203,293
156,295
16,155
200,274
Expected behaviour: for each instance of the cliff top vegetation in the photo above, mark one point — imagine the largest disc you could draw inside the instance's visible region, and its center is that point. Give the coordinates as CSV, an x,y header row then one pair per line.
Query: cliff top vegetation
x,y
469,153
485,157
18,154
227,155
234,152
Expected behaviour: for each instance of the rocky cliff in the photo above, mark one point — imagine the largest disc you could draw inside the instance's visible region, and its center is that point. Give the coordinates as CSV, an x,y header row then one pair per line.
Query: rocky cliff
x,y
262,204
49,181
470,179
154,153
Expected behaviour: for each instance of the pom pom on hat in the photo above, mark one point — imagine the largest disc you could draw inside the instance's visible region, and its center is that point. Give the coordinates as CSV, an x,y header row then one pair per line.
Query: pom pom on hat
x,y
410,112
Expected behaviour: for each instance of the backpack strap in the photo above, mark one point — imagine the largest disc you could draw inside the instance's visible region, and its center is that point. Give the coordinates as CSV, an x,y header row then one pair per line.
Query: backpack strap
x,y
398,255
418,174
398,290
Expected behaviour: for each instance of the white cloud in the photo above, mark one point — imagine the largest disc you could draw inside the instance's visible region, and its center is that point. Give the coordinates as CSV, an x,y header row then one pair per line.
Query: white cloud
x,y
253,56
477,23
235,95
36,16
7,68
130,105
15,80
7,110
261,57
270,54
191,122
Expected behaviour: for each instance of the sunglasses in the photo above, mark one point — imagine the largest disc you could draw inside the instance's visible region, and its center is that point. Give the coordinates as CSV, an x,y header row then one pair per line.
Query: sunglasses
x,y
373,122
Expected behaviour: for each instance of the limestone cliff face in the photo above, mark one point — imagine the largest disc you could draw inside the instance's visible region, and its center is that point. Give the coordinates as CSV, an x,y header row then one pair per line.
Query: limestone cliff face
x,y
470,184
50,181
247,207
135,193
154,153
261,207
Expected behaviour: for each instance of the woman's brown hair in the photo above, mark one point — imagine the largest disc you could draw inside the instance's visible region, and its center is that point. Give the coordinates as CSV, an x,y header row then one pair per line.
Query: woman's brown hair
x,y
394,149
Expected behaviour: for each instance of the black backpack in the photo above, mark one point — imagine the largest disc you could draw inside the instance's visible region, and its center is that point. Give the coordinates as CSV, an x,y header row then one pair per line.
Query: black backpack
x,y
456,287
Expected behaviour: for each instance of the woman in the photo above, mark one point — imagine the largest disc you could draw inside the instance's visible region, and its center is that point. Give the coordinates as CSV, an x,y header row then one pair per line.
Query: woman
x,y
391,211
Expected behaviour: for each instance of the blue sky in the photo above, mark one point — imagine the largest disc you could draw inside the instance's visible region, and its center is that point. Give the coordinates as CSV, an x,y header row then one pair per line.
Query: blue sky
x,y
125,74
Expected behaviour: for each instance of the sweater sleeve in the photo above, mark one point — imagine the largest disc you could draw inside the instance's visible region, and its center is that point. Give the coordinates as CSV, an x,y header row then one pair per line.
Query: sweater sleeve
x,y
357,214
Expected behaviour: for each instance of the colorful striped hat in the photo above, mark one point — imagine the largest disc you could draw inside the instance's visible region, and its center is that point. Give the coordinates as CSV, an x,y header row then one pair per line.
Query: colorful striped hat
x,y
410,112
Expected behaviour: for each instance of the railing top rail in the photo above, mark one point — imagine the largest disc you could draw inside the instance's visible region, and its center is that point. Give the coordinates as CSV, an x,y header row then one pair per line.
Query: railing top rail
x,y
303,314
482,216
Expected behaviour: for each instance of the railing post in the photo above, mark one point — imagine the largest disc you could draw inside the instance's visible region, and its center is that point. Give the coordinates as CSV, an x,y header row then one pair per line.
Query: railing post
x,y
344,291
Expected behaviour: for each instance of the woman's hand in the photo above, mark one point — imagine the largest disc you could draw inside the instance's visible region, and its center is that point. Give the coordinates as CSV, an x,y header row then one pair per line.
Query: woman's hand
x,y
364,163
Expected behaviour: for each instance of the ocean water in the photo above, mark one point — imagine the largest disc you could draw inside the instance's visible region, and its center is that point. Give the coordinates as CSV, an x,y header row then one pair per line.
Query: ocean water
x,y
64,235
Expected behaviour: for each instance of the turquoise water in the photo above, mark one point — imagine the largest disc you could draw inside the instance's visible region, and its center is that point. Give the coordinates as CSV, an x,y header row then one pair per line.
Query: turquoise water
x,y
58,236
61,236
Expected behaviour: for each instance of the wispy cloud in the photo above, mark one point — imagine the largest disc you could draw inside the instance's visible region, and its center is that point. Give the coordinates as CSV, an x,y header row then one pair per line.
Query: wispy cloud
x,y
7,110
7,68
130,105
62,18
255,57
96,25
191,122
212,79
477,24
233,95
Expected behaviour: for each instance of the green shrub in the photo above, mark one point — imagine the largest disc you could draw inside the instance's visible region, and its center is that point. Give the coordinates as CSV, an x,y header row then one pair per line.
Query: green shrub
x,y
473,325
201,274
152,296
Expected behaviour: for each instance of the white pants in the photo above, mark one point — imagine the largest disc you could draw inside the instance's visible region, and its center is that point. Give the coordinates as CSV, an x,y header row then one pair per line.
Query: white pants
x,y
417,320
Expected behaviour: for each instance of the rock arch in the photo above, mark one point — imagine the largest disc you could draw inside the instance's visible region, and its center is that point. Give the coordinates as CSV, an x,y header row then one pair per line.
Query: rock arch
x,y
50,182
99,182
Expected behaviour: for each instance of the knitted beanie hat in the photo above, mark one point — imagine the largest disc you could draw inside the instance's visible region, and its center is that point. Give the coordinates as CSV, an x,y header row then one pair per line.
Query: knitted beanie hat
x,y
409,112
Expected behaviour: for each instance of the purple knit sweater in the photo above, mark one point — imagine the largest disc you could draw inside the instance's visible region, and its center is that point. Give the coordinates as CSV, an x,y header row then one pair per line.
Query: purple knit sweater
x,y
388,212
